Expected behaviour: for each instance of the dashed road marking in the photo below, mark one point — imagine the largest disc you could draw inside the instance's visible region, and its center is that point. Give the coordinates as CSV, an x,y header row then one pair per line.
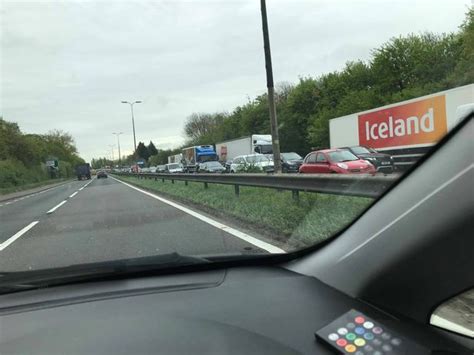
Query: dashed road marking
x,y
56,207
74,194
17,235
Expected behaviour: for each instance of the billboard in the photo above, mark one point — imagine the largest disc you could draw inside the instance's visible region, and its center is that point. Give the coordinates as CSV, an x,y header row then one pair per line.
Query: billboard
x,y
414,123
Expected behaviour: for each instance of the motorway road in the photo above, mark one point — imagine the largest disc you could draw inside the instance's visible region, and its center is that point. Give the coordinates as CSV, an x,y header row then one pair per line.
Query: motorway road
x,y
105,219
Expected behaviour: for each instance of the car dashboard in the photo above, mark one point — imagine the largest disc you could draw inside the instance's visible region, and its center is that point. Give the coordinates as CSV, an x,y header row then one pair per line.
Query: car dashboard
x,y
242,310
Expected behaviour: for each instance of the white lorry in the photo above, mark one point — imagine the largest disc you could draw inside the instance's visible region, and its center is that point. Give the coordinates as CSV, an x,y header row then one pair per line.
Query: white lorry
x,y
256,143
177,158
406,130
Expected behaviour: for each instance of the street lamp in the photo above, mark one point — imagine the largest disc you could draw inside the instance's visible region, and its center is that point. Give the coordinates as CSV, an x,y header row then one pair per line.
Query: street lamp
x,y
133,121
118,144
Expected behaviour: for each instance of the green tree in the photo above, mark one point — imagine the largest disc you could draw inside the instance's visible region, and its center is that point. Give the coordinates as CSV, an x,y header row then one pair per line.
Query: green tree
x,y
142,151
152,149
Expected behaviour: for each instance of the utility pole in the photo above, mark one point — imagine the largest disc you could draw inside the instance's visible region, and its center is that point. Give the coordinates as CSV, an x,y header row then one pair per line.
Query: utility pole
x,y
118,144
133,122
271,90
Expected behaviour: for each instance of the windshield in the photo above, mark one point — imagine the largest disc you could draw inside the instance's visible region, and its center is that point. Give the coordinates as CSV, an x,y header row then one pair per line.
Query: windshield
x,y
341,156
256,159
107,106
291,156
360,150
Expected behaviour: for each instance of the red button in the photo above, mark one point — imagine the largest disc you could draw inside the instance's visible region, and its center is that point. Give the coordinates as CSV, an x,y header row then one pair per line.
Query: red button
x,y
359,320
341,342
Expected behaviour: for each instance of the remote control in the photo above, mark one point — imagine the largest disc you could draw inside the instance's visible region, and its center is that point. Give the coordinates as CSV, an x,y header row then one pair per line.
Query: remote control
x,y
355,333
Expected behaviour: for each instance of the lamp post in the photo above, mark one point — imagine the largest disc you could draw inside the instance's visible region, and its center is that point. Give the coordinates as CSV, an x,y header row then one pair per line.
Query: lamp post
x,y
271,89
133,122
118,144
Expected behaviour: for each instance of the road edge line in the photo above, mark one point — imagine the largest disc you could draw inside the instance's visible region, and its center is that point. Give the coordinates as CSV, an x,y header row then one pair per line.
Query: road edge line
x,y
236,233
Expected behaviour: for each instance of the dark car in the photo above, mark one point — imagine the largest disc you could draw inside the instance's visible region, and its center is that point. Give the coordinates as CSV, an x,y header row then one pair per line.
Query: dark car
x,y
211,167
290,162
382,162
101,174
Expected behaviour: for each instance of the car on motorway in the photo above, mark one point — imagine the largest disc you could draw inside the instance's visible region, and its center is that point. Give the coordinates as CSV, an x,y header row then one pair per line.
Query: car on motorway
x,y
211,167
174,168
383,162
101,174
290,162
335,161
160,169
251,163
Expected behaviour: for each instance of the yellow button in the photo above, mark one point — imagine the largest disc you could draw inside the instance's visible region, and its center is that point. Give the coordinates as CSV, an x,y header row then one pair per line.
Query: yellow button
x,y
359,342
350,348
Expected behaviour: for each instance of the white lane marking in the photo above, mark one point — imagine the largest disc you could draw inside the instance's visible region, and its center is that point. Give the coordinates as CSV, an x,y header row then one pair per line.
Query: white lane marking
x,y
56,207
17,235
249,239
74,194
423,200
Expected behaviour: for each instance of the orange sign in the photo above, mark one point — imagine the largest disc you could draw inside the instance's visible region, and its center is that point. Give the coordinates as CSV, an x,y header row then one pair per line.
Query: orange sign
x,y
415,123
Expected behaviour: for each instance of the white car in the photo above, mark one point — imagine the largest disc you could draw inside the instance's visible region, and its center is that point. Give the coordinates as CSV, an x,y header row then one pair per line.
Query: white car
x,y
174,168
258,160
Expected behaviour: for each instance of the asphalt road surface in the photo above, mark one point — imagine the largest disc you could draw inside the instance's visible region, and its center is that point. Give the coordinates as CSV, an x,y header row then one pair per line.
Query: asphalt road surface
x,y
105,219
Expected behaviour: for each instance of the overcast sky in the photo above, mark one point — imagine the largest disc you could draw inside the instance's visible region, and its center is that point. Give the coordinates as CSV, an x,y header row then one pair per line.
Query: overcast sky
x,y
67,64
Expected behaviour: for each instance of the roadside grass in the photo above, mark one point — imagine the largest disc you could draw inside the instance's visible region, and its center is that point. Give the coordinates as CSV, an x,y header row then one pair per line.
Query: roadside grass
x,y
273,213
8,190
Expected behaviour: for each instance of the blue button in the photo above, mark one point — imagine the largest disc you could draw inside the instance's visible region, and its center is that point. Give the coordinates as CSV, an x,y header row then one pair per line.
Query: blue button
x,y
368,336
360,330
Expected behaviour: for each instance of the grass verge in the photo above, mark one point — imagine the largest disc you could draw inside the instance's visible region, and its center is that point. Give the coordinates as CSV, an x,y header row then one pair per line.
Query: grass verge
x,y
273,213
8,190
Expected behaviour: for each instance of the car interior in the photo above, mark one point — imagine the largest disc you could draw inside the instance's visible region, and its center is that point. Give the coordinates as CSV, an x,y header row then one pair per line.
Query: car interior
x,y
388,271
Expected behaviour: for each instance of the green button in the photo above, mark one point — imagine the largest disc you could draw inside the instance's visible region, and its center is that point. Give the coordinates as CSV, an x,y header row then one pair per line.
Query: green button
x,y
351,336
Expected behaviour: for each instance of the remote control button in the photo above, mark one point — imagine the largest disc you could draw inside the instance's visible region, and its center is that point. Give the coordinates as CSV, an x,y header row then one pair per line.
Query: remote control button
x,y
378,352
377,342
351,336
368,325
369,336
359,320
333,336
368,348
359,353
387,347
386,336
359,330
359,342
350,348
350,325
396,341
341,342
377,330
342,331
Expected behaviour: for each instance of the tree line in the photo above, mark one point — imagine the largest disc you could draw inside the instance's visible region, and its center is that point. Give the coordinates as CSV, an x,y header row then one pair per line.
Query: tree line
x,y
23,156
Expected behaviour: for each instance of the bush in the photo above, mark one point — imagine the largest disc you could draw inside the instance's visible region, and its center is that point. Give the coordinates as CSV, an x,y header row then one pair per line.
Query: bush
x,y
250,168
14,173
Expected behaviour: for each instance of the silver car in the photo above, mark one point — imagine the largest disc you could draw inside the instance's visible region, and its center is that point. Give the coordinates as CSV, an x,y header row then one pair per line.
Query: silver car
x,y
242,163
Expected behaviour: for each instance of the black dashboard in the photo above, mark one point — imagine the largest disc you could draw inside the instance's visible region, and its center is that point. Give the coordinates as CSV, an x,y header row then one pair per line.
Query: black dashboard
x,y
244,310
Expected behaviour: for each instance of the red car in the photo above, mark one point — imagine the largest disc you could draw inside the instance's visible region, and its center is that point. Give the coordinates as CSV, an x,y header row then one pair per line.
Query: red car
x,y
336,161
